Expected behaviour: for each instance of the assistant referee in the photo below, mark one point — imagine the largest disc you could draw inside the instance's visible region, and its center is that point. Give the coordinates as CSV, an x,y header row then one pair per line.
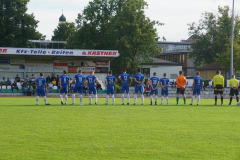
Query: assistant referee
x,y
218,82
233,83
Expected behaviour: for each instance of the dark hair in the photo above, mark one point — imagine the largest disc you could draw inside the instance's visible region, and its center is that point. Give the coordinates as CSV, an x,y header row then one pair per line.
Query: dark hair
x,y
124,70
41,74
164,74
180,72
139,69
154,73
79,71
110,72
64,71
217,72
198,73
91,72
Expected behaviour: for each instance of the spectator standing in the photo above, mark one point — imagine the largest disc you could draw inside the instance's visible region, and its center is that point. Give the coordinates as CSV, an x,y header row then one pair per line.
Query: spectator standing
x,y
53,77
210,83
48,79
17,78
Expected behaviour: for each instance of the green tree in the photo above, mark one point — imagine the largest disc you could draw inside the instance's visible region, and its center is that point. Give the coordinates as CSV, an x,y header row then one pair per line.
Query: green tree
x,y
118,25
212,36
64,31
16,25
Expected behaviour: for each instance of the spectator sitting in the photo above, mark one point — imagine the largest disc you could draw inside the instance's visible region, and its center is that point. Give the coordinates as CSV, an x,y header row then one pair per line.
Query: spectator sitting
x,y
50,87
147,90
25,89
99,87
54,82
173,84
17,78
14,85
30,90
8,82
210,83
32,78
34,84
24,83
3,82
48,79
26,79
53,77
148,82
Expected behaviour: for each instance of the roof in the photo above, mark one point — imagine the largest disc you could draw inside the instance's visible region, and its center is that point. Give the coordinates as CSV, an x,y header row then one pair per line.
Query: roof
x,y
176,43
62,18
212,66
158,61
45,41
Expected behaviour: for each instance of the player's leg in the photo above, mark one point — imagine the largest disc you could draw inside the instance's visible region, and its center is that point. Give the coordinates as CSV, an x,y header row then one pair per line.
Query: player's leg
x,y
221,99
37,97
128,95
162,97
66,94
177,98
184,96
156,96
73,94
112,92
198,96
151,96
216,94
80,91
108,93
95,93
90,91
193,95
61,97
122,91
44,97
236,93
135,95
142,96
166,93
231,95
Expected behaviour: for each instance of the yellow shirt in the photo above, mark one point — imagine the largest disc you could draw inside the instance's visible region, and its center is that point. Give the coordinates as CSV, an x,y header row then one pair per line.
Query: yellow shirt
x,y
53,82
233,82
218,80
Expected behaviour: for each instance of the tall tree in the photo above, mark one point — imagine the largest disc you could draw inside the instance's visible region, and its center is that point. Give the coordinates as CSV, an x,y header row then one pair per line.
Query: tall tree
x,y
120,25
212,36
64,31
16,25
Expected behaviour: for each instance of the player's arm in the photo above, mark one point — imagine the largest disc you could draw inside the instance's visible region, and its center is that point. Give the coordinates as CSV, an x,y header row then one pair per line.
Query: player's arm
x,y
157,85
115,82
69,84
45,87
136,80
168,84
74,79
84,82
223,82
106,82
193,85
120,79
142,81
214,81
96,80
131,81
60,83
237,85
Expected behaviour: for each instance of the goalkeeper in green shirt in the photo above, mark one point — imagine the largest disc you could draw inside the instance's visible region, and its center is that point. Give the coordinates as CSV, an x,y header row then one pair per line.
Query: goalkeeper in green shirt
x,y
218,82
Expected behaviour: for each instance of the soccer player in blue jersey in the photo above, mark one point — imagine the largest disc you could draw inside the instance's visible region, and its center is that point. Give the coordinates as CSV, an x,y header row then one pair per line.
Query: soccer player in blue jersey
x,y
91,86
80,82
64,83
164,84
154,87
41,84
124,78
110,83
139,79
197,87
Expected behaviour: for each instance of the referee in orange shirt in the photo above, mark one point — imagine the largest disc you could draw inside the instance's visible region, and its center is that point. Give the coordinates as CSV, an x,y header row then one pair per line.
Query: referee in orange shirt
x,y
181,83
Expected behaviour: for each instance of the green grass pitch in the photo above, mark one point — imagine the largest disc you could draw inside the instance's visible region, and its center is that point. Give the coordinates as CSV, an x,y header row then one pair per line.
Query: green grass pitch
x,y
203,132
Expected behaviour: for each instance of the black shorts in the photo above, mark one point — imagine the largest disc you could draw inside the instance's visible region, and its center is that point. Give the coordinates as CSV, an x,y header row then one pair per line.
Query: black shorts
x,y
180,90
218,89
232,92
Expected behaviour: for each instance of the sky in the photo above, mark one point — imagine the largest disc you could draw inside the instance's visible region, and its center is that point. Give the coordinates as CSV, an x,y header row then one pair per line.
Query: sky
x,y
175,14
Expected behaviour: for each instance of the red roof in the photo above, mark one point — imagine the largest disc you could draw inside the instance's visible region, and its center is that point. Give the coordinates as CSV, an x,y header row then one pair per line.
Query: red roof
x,y
212,66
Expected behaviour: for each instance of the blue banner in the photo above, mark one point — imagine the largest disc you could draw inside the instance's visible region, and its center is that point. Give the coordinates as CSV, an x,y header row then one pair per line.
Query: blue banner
x,y
4,61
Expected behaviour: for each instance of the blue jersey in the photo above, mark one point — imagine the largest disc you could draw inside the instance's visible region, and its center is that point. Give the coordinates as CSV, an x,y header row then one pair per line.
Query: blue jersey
x,y
198,82
139,77
154,81
110,80
64,80
79,79
40,83
91,80
164,82
125,78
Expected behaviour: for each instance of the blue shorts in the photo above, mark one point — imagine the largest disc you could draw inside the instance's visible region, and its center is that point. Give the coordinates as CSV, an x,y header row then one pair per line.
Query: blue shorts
x,y
110,89
154,91
164,92
139,89
123,88
196,91
92,90
78,89
41,91
64,89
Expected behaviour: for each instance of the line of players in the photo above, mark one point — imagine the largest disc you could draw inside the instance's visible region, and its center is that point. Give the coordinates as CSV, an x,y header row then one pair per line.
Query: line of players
x,y
110,81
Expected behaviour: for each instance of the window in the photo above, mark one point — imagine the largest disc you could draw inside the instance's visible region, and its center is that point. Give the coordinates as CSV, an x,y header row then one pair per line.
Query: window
x,y
173,76
227,74
146,72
